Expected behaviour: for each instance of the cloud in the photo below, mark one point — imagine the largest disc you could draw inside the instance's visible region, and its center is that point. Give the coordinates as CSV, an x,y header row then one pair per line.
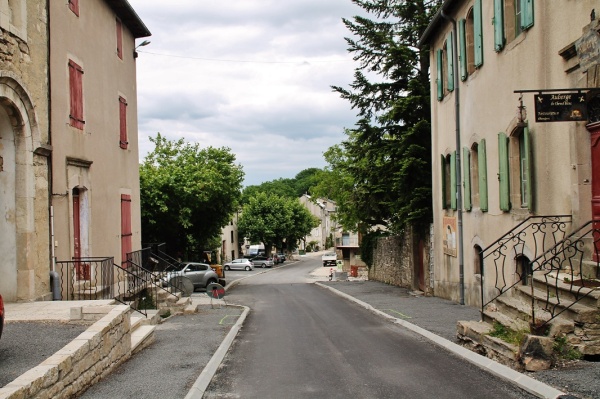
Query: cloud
x,y
251,75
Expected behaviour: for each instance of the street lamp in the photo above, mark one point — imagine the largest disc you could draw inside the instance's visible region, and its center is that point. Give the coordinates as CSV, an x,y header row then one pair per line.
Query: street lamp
x,y
142,44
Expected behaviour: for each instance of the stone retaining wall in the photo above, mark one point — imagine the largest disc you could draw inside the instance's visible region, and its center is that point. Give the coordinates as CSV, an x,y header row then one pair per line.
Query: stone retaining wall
x,y
395,261
81,363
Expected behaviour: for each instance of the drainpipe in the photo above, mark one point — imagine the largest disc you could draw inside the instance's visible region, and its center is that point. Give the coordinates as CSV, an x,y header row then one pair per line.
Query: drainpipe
x,y
459,241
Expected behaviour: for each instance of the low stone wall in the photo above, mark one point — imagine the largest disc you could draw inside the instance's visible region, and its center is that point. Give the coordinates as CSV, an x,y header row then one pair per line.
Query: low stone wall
x,y
82,362
395,261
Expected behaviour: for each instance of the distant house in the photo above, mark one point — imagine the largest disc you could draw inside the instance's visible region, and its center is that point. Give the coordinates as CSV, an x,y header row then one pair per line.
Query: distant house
x,y
230,244
323,209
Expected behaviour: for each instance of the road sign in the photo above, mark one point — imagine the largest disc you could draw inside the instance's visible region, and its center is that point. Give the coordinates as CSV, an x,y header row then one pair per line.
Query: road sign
x,y
215,291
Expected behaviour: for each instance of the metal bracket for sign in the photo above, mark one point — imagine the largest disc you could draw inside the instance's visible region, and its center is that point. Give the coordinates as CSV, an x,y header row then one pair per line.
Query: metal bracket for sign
x,y
577,89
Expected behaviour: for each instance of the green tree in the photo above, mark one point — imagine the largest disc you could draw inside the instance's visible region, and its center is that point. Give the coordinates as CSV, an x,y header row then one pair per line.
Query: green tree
x,y
188,194
272,220
386,157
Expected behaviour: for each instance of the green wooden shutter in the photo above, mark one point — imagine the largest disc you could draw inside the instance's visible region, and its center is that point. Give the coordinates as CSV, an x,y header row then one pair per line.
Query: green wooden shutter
x,y
453,204
462,48
526,14
478,33
444,199
503,172
498,25
439,79
528,159
450,61
482,169
467,179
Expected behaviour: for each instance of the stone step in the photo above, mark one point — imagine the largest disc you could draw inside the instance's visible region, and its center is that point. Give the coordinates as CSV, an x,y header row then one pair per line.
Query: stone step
x,y
561,284
492,347
141,336
568,309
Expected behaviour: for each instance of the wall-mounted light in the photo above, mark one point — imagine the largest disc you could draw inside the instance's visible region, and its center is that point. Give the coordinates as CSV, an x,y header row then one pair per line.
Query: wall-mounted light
x,y
142,44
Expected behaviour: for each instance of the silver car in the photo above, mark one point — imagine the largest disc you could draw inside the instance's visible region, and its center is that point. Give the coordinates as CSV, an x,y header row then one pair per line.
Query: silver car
x,y
200,274
239,264
262,261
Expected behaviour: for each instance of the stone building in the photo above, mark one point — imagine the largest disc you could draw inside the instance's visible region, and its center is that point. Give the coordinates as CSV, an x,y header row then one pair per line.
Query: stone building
x,y
323,210
24,150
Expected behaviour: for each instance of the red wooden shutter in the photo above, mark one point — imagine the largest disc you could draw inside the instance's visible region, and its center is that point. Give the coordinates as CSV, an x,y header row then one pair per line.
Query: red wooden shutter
x,y
123,123
125,228
74,6
76,95
119,39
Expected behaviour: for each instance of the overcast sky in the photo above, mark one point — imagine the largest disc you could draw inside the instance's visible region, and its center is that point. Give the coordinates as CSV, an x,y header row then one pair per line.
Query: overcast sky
x,y
251,75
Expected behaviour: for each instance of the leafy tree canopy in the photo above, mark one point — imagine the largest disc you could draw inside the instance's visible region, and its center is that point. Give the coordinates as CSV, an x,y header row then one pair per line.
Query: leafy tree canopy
x,y
382,171
288,188
188,194
275,220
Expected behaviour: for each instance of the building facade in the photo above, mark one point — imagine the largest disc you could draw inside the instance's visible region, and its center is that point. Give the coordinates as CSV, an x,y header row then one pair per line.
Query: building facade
x,y
95,175
497,162
323,210
24,150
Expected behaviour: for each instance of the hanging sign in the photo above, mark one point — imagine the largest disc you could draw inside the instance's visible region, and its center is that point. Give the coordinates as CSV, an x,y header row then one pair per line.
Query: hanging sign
x,y
560,107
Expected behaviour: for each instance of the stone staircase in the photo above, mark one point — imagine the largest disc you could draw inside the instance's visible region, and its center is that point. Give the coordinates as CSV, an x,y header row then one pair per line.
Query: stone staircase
x,y
563,310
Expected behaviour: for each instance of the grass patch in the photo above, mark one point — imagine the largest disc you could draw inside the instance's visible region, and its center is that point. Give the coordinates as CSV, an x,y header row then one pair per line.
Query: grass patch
x,y
506,334
564,350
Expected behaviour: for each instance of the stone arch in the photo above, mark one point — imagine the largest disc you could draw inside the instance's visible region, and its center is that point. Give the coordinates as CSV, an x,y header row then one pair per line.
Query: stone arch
x,y
21,269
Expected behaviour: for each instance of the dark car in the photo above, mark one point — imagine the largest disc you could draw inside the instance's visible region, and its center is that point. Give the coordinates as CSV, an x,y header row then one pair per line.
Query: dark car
x,y
1,315
262,261
280,257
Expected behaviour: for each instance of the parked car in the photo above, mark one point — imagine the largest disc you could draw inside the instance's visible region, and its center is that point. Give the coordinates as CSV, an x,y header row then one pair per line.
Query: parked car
x,y
200,274
239,264
281,257
1,315
262,261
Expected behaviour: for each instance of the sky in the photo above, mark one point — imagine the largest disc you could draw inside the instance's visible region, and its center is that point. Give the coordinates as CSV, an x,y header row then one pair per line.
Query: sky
x,y
254,76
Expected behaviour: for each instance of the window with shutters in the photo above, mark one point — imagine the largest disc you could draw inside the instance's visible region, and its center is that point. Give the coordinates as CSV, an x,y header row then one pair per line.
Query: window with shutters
x,y
446,181
470,42
126,232
123,123
520,167
503,172
482,185
119,38
76,95
498,22
467,180
518,16
74,6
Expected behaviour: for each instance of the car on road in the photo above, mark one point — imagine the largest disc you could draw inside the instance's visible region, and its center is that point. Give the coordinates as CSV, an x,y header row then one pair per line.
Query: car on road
x,y
200,274
280,257
239,264
1,315
262,261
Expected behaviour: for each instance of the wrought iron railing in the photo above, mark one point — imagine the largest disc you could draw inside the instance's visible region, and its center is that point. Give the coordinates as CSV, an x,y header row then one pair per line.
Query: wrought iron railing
x,y
86,278
537,234
569,272
135,288
155,267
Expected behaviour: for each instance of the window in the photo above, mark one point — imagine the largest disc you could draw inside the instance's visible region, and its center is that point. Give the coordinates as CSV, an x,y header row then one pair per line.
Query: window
x,y
449,181
518,16
74,6
125,228
477,259
123,123
76,95
462,48
232,237
515,169
503,176
119,38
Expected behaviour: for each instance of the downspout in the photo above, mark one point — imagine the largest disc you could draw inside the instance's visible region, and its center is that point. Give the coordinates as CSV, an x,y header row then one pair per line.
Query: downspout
x,y
459,241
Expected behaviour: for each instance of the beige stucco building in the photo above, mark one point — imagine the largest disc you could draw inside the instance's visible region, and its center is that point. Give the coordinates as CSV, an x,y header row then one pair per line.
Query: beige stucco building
x,y
323,210
24,150
498,166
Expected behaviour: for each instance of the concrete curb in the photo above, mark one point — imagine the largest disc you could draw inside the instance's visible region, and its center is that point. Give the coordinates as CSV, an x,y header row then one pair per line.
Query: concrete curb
x,y
524,382
199,387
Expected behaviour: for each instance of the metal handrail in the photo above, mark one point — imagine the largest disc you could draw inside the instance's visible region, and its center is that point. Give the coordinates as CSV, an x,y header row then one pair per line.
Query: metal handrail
x,y
145,256
541,231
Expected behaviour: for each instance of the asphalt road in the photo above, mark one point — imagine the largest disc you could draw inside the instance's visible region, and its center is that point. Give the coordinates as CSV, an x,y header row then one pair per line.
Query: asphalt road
x,y
302,341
